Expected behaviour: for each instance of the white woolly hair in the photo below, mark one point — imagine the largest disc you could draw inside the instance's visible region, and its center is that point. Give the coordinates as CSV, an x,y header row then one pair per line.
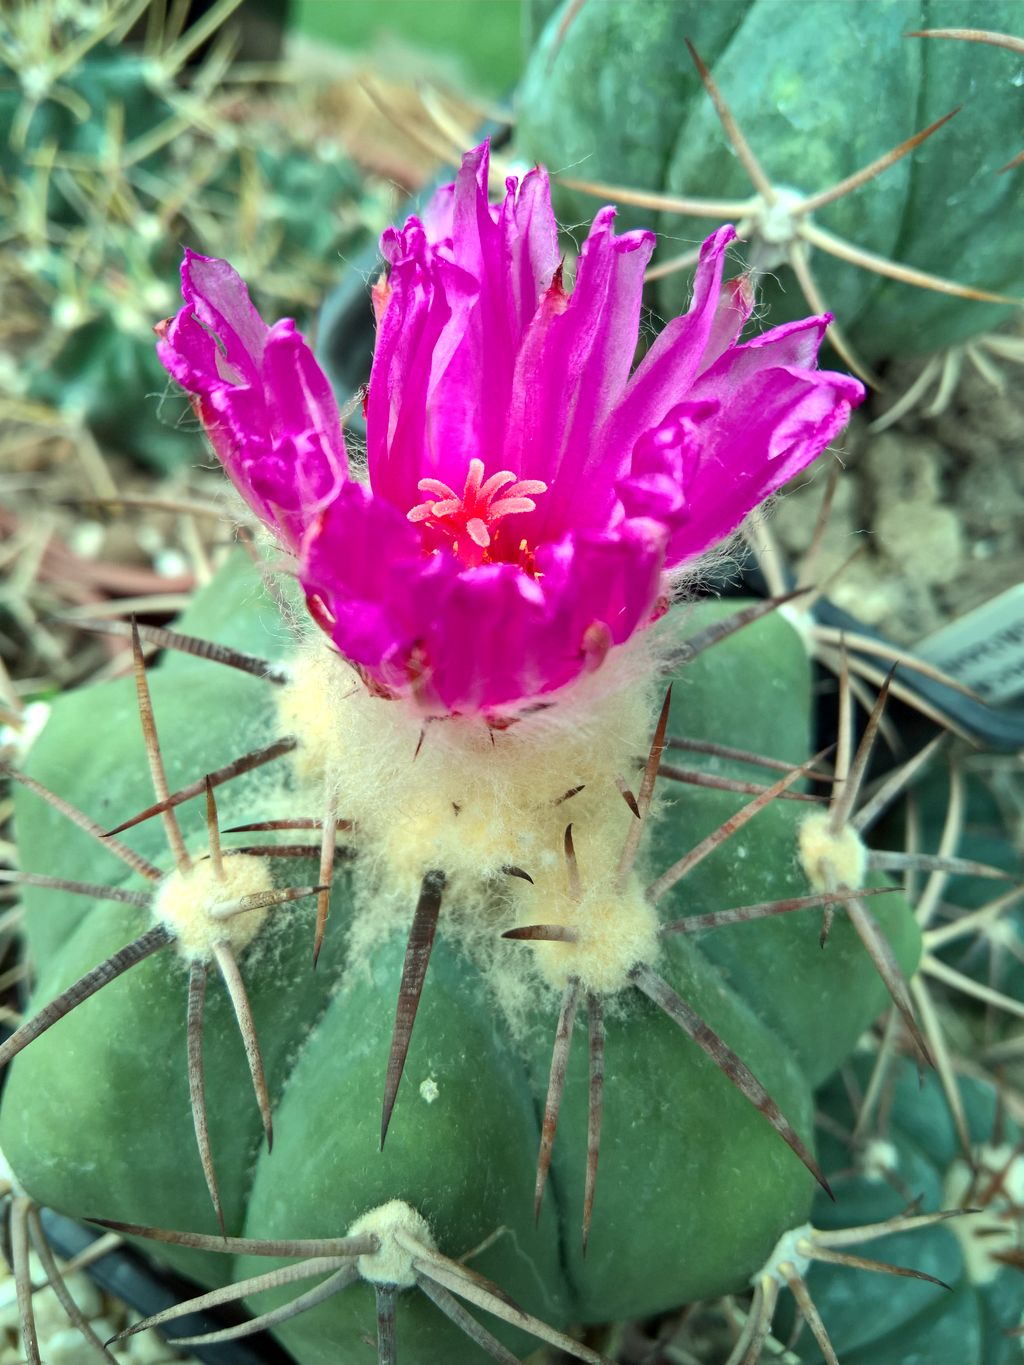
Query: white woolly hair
x,y
474,801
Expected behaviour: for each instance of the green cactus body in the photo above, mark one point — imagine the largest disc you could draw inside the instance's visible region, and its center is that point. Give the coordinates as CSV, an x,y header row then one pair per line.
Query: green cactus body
x,y
694,1186
621,102
917,1151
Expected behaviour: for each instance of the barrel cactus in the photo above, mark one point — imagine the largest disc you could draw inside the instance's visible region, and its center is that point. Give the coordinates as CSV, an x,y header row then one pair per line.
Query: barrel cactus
x,y
977,1254
442,788
611,95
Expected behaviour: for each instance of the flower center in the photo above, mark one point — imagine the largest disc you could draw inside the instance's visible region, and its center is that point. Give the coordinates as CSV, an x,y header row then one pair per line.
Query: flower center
x,y
469,520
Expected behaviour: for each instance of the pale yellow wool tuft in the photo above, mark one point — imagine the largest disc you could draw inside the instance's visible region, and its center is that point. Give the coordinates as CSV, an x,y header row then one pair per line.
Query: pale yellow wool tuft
x,y
456,794
185,900
396,1226
616,929
829,859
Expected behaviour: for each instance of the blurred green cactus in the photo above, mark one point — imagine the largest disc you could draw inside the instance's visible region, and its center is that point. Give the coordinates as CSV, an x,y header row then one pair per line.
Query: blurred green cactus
x,y
611,95
113,157
977,1255
465,1130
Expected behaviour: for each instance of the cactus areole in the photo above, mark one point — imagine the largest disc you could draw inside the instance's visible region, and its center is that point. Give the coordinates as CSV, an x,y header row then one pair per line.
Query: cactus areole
x,y
476,730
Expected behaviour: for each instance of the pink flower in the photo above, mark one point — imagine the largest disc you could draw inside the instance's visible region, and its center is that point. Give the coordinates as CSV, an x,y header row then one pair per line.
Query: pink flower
x,y
530,492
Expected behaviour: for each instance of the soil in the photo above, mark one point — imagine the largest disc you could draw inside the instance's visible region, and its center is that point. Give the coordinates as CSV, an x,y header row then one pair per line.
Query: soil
x,y
935,503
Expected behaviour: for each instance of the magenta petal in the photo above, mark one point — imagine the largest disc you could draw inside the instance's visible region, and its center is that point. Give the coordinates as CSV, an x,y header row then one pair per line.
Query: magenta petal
x,y
550,490
610,579
487,642
494,635
571,373
426,304
265,404
353,560
686,346
771,421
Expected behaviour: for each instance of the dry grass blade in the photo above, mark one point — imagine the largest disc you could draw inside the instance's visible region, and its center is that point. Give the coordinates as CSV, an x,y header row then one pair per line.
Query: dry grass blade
x,y
882,163
196,1082
735,1070
94,890
695,777
716,919
334,1284
256,1284
156,763
595,1108
880,1267
115,503
23,1277
386,1351
742,148
323,899
556,1087
880,951
884,795
255,759
444,1273
365,1245
725,831
646,793
545,933
125,958
59,1286
189,644
127,855
414,971
464,1321
239,997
